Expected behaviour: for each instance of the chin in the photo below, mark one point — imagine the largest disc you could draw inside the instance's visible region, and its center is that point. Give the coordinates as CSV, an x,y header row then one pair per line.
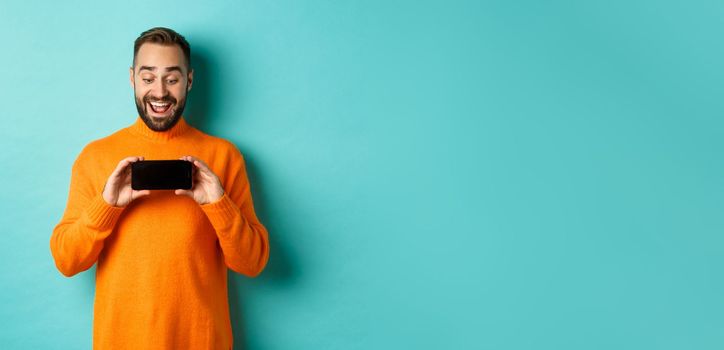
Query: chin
x,y
160,123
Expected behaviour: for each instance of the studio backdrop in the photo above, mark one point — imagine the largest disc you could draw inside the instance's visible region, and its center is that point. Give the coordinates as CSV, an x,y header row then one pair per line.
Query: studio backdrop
x,y
433,174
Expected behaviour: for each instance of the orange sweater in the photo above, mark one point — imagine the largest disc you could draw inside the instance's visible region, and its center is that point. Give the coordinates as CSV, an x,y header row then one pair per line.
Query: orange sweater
x,y
161,278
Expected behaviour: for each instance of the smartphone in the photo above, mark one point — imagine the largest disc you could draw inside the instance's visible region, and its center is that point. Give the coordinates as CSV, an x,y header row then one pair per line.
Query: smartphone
x,y
161,175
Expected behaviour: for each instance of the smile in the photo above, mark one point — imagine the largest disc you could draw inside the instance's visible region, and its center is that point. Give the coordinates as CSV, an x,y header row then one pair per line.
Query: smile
x,y
160,107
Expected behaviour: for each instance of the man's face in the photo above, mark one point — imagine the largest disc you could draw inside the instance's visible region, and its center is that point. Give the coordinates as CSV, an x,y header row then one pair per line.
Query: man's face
x,y
160,82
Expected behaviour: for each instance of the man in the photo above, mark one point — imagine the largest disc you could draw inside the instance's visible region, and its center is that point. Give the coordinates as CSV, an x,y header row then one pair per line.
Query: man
x,y
162,255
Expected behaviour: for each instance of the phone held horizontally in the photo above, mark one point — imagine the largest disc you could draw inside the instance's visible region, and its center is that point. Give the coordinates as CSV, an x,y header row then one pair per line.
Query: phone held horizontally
x,y
161,174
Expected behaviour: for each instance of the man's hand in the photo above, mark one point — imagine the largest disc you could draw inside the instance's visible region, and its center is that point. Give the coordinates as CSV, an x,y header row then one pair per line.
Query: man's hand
x,y
206,185
117,190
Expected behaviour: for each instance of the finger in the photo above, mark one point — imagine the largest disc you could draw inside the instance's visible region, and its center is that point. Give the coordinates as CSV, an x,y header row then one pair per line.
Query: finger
x,y
193,159
127,169
193,168
198,163
190,159
123,164
204,168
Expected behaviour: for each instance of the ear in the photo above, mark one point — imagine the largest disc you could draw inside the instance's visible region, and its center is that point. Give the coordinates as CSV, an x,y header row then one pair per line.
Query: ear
x,y
131,76
190,80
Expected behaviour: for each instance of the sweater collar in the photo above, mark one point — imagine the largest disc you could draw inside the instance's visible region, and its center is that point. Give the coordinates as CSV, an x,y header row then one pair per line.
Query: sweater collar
x,y
140,128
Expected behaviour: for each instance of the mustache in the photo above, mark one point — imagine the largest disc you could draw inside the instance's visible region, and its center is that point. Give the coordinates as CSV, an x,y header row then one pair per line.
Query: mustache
x,y
165,99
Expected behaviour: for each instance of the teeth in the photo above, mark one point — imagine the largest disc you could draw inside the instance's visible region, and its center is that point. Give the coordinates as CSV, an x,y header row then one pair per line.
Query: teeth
x,y
158,107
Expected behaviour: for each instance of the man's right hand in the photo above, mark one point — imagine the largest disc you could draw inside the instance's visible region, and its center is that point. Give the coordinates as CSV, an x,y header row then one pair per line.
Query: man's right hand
x,y
117,191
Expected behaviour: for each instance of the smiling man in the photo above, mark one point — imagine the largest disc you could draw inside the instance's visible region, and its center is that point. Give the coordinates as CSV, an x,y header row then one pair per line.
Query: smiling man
x,y
162,256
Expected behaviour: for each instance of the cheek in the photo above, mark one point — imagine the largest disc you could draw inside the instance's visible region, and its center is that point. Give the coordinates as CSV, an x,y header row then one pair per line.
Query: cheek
x,y
179,94
140,93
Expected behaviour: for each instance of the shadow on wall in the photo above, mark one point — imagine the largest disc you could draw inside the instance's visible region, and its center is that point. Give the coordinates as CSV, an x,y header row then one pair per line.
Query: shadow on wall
x,y
201,112
278,272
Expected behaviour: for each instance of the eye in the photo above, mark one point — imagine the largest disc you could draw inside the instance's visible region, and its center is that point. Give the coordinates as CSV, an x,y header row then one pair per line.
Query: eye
x,y
172,81
147,81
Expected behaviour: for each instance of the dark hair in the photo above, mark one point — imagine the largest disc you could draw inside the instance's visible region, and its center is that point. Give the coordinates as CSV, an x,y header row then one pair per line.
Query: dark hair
x,y
163,36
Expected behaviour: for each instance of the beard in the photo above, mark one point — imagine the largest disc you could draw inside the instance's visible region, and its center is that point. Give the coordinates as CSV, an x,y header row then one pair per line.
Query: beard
x,y
159,124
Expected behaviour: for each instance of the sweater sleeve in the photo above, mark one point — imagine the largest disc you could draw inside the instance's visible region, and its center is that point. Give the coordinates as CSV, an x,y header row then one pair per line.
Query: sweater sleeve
x,y
243,239
78,238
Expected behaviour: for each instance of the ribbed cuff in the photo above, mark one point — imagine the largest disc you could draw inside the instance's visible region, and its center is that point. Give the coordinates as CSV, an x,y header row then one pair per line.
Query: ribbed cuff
x,y
222,212
102,215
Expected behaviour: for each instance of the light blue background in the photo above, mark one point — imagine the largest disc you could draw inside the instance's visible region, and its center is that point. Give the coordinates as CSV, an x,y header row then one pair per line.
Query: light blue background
x,y
435,174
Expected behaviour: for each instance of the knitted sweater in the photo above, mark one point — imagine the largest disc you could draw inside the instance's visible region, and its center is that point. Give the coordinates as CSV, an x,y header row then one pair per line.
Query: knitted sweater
x,y
161,275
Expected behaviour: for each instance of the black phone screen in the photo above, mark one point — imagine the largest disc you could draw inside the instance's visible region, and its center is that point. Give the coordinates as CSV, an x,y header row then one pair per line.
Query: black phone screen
x,y
161,175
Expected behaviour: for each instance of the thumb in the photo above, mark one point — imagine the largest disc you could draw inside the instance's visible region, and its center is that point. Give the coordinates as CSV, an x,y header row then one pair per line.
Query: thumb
x,y
138,194
183,192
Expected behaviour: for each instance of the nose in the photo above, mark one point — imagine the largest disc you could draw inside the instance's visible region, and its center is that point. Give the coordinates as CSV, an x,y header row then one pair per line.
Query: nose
x,y
159,90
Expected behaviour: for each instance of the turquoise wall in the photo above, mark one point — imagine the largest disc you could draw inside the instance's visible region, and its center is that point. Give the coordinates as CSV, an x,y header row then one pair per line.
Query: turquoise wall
x,y
433,174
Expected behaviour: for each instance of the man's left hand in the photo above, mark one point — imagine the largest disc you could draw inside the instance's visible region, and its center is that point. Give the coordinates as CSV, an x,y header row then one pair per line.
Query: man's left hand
x,y
206,185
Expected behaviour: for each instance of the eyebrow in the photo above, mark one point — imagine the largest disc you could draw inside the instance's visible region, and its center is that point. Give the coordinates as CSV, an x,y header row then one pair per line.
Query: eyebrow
x,y
153,69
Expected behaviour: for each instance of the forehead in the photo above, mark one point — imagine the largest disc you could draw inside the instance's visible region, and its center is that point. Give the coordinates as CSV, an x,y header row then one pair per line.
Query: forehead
x,y
156,55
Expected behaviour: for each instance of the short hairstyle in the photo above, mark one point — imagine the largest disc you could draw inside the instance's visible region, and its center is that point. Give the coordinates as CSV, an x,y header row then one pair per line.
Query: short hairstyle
x,y
163,36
